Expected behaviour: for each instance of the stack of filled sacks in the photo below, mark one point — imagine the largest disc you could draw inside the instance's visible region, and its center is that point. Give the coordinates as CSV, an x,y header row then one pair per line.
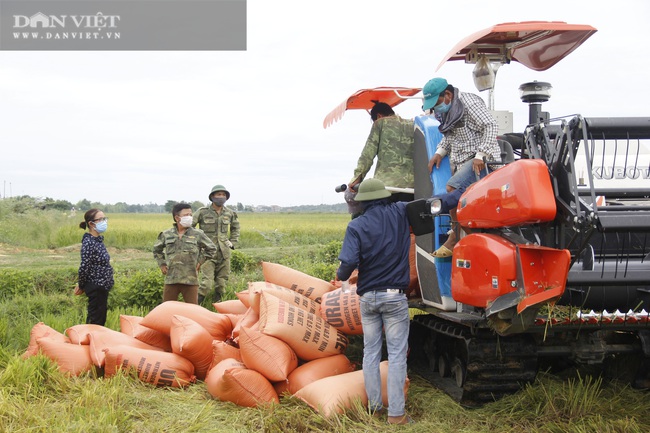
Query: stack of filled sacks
x,y
293,315
170,346
286,334
283,341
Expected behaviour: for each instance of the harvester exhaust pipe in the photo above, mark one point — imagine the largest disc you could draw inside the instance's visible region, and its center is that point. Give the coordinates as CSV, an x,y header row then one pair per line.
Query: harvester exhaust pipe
x,y
534,94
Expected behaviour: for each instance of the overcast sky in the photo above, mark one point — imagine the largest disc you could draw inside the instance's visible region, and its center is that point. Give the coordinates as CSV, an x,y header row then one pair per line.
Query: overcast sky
x,y
141,127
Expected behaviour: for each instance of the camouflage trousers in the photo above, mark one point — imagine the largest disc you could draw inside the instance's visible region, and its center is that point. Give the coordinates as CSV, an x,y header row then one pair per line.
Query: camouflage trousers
x,y
214,275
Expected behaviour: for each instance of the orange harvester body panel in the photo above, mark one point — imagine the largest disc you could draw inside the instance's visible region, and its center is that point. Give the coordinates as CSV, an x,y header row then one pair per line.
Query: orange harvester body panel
x,y
519,193
484,267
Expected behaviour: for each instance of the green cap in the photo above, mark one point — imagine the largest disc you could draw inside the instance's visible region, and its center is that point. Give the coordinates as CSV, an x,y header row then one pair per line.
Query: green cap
x,y
431,91
219,188
371,189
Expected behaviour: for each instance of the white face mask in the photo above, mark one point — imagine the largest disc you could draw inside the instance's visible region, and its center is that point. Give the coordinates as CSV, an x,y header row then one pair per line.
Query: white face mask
x,y
186,221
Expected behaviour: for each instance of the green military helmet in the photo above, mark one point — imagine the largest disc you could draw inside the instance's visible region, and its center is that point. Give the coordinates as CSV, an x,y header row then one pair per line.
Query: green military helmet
x,y
372,189
219,188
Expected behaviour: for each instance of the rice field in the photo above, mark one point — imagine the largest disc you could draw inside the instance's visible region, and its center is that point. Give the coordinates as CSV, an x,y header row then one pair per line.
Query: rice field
x,y
139,231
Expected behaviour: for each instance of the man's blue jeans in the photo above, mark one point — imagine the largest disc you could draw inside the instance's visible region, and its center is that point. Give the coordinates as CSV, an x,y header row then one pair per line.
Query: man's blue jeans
x,y
388,312
465,175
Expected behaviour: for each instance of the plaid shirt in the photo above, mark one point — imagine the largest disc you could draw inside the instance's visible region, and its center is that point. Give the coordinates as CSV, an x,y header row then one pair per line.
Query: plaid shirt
x,y
473,136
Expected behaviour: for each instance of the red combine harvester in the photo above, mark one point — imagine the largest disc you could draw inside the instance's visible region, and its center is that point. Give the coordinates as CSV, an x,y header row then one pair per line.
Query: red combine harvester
x,y
556,270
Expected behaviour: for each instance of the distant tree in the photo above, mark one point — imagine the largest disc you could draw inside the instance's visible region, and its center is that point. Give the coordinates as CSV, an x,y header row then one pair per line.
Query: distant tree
x,y
170,205
50,203
153,208
23,203
240,207
83,205
120,207
196,205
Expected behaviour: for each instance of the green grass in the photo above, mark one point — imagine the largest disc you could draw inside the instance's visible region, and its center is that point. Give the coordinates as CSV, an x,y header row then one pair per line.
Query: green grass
x,y
36,285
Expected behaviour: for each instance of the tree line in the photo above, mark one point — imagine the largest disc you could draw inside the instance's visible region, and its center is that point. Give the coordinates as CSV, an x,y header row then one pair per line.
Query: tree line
x,y
23,203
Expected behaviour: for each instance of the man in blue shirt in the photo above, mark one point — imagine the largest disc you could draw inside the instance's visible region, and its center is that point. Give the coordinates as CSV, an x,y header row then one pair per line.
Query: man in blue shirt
x,y
377,243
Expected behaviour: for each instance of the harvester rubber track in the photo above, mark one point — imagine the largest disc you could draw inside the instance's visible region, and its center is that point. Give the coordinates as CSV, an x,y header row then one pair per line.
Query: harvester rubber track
x,y
473,366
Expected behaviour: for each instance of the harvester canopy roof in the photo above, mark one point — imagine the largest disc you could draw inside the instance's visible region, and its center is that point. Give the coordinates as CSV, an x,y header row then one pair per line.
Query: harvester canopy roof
x,y
365,99
537,45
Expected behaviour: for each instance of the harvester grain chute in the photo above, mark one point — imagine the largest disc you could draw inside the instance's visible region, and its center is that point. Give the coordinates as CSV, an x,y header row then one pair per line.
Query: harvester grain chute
x,y
556,269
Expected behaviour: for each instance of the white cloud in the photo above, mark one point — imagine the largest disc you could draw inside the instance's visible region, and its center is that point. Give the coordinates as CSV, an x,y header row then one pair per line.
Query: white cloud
x,y
146,127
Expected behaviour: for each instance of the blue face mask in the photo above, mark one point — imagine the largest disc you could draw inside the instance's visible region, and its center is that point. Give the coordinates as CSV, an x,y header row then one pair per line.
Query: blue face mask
x,y
442,108
101,226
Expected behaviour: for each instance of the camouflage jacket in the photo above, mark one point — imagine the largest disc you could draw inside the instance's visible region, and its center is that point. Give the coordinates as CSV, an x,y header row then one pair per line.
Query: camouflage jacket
x,y
391,141
182,254
220,227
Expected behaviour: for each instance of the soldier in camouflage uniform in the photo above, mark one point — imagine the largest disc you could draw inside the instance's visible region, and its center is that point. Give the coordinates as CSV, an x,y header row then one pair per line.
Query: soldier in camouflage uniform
x,y
180,251
391,141
222,226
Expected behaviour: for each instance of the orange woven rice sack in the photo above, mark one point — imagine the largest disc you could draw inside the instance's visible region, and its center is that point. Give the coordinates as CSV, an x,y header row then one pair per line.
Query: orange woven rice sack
x,y
72,359
230,380
79,333
287,295
41,330
414,283
271,357
248,320
192,342
318,369
155,367
311,287
307,334
129,324
335,394
98,341
160,318
234,306
153,337
281,387
223,350
234,318
342,311
243,298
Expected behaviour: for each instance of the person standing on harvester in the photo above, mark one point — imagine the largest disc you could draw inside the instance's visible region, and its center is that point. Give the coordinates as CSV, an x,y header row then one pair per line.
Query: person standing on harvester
x,y
469,138
391,142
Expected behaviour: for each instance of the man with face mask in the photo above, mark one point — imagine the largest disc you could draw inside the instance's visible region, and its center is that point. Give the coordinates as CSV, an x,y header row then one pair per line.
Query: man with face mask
x,y
180,251
469,138
222,227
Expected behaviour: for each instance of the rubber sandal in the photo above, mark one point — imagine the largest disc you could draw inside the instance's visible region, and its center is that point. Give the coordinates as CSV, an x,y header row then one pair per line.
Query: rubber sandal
x,y
442,252
404,419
